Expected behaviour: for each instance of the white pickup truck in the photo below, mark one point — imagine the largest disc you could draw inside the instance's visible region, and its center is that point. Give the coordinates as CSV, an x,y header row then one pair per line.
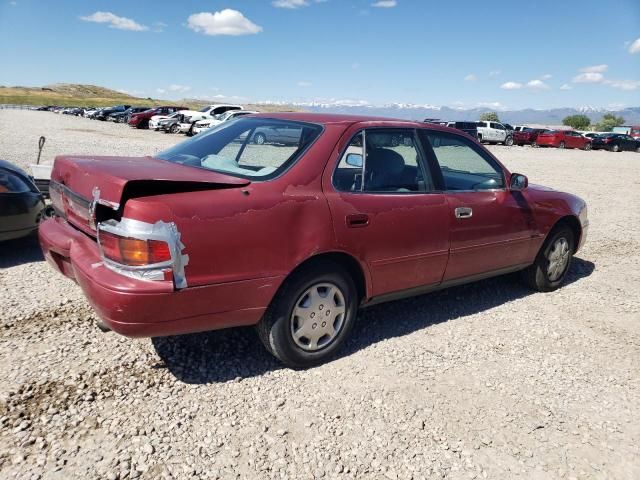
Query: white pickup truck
x,y
494,132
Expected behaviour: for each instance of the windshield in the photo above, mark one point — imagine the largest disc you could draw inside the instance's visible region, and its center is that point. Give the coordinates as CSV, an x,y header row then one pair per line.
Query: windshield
x,y
205,109
258,148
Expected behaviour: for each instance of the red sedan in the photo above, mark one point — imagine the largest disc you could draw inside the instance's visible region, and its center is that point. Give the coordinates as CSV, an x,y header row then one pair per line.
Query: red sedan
x,y
527,136
141,119
222,231
563,139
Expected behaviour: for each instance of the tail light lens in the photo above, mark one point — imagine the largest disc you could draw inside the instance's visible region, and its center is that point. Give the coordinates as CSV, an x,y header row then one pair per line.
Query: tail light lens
x,y
134,252
149,251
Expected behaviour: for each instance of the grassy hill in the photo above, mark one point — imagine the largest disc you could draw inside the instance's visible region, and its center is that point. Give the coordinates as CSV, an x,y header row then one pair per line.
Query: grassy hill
x,y
72,95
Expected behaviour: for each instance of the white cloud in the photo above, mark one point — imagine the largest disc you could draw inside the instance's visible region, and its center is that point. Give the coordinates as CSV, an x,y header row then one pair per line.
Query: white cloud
x,y
537,85
546,76
494,73
290,3
302,83
494,105
566,86
471,78
635,46
511,86
159,27
13,3
161,90
114,21
627,85
385,4
224,22
179,88
595,69
588,77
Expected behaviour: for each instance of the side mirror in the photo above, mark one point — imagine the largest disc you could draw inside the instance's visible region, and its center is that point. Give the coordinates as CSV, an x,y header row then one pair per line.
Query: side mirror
x,y
518,182
354,160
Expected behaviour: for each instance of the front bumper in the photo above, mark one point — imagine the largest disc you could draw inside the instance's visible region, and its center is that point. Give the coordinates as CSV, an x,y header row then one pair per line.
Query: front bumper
x,y
146,308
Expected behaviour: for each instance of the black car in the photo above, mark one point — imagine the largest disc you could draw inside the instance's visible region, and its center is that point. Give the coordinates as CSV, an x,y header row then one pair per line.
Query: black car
x,y
469,127
21,203
615,142
104,113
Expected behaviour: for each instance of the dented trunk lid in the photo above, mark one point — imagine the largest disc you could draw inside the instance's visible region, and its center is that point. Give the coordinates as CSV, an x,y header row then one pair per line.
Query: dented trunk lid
x,y
79,183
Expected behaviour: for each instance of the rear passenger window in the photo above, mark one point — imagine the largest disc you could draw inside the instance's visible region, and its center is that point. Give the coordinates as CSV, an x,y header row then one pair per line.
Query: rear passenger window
x,y
463,165
392,164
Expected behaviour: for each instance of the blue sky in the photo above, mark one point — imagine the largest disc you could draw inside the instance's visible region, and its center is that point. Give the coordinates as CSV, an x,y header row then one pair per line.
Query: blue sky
x,y
507,54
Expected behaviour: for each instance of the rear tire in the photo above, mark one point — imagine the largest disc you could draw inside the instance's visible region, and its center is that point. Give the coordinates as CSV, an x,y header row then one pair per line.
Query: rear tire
x,y
562,145
295,328
587,146
615,148
259,139
552,262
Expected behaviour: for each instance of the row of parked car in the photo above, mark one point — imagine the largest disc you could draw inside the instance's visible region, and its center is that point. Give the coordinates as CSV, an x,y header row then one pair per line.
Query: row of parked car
x,y
167,118
503,133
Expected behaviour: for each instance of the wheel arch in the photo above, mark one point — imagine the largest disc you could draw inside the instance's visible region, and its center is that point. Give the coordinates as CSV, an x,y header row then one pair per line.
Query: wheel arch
x,y
573,224
351,264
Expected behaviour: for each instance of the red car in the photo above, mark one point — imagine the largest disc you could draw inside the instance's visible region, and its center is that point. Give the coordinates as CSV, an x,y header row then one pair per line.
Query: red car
x,y
563,139
222,231
141,120
527,136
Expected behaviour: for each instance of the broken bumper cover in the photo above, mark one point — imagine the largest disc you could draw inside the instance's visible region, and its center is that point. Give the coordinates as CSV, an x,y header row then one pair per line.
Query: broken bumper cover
x,y
143,308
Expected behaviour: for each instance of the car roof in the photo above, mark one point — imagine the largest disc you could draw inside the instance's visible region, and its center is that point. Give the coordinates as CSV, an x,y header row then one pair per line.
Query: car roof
x,y
333,118
346,120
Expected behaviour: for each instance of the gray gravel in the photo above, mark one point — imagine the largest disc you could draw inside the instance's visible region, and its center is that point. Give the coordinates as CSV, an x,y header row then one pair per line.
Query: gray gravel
x,y
482,381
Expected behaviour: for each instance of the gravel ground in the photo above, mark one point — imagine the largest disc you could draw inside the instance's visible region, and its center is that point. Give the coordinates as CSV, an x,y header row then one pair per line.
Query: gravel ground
x,y
481,381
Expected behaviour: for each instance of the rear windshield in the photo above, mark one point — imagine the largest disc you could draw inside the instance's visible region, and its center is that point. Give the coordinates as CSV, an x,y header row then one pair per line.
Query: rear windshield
x,y
255,148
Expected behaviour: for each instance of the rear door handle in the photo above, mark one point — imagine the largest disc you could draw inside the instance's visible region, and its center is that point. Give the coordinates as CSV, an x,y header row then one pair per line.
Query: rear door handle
x,y
464,212
357,220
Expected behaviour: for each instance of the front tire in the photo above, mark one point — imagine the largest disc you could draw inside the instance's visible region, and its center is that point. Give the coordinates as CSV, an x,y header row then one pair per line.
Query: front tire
x,y
587,146
311,316
562,145
508,142
553,261
615,148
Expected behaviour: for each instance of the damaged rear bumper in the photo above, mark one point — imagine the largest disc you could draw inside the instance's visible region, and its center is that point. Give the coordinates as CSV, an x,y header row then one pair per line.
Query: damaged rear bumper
x,y
143,308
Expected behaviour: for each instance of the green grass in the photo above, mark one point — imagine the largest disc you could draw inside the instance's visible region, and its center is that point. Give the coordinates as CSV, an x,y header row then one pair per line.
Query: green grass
x,y
75,95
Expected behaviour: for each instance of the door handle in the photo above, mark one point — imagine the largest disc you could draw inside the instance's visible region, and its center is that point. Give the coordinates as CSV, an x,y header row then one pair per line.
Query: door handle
x,y
357,220
464,212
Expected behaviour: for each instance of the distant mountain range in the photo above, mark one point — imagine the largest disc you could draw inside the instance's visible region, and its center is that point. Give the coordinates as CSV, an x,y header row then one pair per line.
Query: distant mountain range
x,y
83,95
554,116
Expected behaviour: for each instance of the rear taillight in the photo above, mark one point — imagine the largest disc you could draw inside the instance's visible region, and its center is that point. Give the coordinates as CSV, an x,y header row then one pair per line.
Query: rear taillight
x,y
143,250
55,193
134,252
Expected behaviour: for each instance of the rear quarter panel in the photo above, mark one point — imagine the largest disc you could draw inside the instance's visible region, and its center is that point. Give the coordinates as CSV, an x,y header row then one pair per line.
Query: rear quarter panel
x,y
261,230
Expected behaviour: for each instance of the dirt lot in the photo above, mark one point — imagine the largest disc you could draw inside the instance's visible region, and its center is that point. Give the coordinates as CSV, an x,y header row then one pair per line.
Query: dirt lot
x,y
487,380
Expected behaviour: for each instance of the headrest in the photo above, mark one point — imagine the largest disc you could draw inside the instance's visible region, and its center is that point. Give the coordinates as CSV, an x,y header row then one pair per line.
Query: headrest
x,y
383,160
